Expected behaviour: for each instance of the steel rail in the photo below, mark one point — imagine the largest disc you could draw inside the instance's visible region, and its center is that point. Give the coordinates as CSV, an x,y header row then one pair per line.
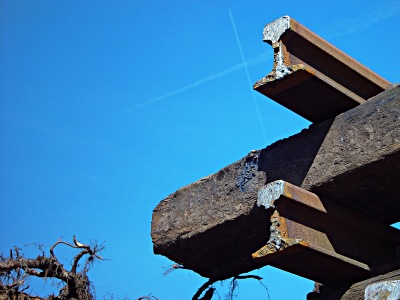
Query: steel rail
x,y
320,240
312,77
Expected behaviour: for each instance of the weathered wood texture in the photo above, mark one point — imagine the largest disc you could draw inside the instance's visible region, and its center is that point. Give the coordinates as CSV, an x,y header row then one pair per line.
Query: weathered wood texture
x,y
353,292
212,226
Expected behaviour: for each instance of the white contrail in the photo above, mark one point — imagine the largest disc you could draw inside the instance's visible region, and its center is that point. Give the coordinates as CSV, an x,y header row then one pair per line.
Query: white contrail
x,y
259,59
249,82
381,12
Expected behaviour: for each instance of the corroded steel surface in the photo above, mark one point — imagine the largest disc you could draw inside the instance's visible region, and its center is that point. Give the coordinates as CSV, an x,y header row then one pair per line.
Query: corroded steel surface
x,y
311,76
341,245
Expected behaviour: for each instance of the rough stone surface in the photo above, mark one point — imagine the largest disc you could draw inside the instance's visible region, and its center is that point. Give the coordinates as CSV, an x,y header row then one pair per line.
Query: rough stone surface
x,y
389,290
352,292
209,224
213,225
358,163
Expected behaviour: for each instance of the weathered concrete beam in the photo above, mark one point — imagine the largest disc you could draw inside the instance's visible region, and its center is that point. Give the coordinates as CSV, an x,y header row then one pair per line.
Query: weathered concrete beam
x,y
214,225
307,230
386,289
312,77
361,289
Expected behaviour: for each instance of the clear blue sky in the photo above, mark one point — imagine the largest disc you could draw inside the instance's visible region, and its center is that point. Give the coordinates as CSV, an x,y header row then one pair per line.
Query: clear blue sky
x,y
106,107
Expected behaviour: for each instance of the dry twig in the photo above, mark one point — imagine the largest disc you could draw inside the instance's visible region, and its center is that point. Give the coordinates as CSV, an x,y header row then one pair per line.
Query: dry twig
x,y
16,269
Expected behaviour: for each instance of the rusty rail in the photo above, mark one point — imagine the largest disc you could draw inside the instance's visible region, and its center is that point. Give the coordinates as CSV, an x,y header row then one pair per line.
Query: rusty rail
x,y
320,240
311,76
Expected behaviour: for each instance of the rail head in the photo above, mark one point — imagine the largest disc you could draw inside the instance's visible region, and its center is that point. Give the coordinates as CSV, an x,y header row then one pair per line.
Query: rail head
x,y
333,82
276,30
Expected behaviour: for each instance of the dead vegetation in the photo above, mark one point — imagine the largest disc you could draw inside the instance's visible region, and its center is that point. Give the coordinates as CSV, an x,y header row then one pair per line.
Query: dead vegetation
x,y
207,290
16,269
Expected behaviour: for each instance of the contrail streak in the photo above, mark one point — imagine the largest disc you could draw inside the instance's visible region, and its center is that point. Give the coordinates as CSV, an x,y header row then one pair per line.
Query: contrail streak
x,y
249,82
381,12
261,58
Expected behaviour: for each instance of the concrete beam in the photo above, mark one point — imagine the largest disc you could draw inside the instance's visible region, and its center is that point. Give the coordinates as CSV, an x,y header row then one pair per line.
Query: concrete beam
x,y
312,77
214,225
361,289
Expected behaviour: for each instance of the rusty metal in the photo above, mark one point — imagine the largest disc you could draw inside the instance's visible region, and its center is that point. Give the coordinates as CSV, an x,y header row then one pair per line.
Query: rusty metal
x,y
320,240
311,76
213,225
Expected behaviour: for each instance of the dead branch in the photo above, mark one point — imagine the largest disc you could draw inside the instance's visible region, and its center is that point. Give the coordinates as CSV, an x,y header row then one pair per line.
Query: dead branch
x,y
15,269
209,290
200,291
171,268
248,277
208,294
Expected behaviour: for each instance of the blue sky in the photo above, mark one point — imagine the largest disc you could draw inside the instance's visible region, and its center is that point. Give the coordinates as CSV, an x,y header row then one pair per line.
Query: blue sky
x,y
106,107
